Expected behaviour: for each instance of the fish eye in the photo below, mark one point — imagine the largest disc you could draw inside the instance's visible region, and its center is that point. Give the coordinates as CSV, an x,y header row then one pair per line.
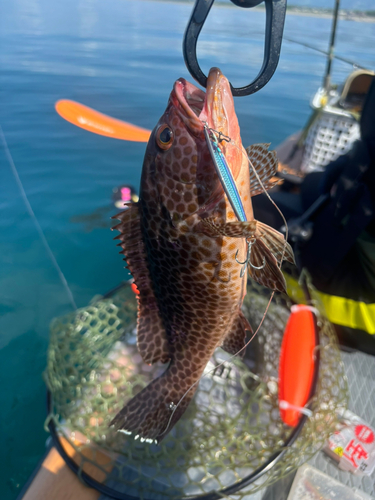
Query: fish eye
x,y
164,137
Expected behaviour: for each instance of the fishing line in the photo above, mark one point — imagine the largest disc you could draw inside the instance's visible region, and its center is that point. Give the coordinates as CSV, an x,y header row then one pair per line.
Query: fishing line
x,y
321,51
324,52
35,220
274,204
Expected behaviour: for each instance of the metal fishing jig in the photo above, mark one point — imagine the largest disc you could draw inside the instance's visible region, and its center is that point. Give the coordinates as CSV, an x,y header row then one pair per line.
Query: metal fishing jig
x,y
213,138
275,17
247,261
223,171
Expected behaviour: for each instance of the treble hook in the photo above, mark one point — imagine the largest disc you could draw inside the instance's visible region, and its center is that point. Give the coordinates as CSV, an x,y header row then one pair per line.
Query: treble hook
x,y
275,17
247,261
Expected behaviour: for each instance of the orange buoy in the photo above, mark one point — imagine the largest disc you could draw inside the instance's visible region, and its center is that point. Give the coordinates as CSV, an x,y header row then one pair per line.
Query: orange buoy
x,y
297,364
99,123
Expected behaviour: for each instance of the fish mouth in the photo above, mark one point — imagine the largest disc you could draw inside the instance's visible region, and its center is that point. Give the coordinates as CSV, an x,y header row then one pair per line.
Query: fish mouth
x,y
190,101
213,108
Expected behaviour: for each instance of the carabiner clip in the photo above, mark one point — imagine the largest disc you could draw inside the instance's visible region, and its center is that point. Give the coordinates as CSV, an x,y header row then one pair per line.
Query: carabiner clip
x,y
275,17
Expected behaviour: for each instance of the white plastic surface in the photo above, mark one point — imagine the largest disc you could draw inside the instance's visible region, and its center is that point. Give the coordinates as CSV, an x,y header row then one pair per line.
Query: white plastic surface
x,y
311,484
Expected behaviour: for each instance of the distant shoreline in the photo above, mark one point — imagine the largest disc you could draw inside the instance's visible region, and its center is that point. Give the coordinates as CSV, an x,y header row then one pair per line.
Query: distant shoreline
x,y
344,15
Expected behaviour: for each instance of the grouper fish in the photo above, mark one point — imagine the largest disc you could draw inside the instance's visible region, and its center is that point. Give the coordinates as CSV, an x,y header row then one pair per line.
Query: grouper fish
x,y
183,244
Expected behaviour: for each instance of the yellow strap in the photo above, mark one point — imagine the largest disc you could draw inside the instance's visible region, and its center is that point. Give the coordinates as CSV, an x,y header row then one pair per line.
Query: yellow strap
x,y
339,310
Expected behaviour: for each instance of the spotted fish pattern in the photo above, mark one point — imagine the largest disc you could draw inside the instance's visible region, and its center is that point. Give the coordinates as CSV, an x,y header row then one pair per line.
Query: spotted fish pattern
x,y
266,163
180,241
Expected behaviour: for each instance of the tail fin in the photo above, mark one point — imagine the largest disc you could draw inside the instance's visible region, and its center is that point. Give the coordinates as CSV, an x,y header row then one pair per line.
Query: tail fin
x,y
153,412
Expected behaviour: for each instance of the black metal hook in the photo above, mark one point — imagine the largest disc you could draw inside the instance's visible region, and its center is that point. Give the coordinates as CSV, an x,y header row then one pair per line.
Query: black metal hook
x,y
275,17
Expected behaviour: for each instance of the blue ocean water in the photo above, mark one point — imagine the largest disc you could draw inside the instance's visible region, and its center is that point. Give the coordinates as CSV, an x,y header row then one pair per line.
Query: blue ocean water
x,y
120,57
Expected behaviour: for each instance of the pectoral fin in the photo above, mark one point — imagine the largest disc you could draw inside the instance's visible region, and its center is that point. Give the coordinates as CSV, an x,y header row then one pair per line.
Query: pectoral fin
x,y
216,227
265,163
151,337
263,267
268,247
236,338
275,241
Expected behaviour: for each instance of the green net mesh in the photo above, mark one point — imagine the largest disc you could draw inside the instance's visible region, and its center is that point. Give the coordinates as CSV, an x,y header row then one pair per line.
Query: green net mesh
x,y
231,427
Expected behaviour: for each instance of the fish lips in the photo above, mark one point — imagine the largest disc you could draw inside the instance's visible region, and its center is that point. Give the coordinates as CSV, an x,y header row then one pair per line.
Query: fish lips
x,y
189,102
215,107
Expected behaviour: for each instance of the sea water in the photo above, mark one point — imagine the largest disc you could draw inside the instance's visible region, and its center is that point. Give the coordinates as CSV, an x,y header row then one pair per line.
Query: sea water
x,y
120,57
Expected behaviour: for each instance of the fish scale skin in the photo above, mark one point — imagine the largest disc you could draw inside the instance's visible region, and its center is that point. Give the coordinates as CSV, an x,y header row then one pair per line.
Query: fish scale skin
x,y
195,279
189,271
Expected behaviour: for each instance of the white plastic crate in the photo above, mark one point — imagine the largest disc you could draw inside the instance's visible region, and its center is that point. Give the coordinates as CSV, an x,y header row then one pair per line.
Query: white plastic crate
x,y
331,136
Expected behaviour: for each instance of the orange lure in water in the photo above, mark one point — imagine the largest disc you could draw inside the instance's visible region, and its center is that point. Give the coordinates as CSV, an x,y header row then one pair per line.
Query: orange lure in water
x,y
99,123
297,364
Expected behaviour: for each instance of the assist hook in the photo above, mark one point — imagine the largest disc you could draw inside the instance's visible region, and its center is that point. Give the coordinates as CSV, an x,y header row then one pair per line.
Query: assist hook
x,y
275,17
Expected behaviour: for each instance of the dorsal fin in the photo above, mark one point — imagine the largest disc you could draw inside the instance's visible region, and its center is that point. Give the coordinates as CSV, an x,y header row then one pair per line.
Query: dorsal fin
x,y
151,337
265,163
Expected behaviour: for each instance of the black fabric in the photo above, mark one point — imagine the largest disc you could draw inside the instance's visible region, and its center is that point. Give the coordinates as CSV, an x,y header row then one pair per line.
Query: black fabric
x,y
290,205
332,173
367,123
348,280
338,225
356,339
311,189
294,204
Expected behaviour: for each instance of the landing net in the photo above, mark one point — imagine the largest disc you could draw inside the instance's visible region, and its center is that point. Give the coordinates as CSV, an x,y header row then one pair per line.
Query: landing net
x,y
230,429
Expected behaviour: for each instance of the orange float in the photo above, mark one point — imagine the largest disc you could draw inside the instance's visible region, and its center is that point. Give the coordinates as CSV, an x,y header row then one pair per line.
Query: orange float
x,y
297,364
99,123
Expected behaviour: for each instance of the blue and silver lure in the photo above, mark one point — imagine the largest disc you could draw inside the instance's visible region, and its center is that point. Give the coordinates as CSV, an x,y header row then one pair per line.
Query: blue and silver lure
x,y
224,173
229,186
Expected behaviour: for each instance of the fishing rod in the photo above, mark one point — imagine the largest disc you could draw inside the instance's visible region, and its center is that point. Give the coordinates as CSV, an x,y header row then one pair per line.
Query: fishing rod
x,y
327,76
321,51
324,52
